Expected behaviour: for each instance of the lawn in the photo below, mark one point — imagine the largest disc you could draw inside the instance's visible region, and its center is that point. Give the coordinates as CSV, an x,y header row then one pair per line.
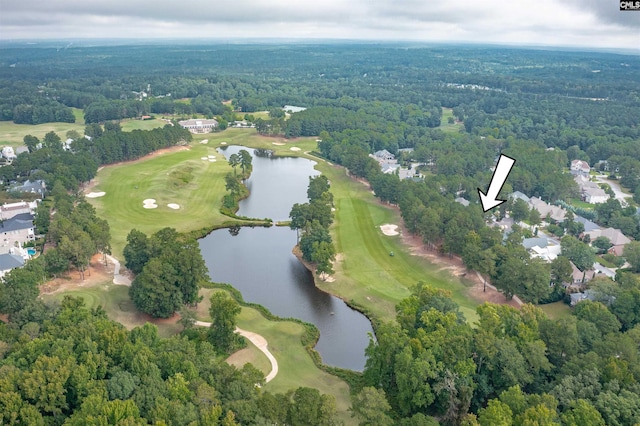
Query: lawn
x,y
135,124
114,299
556,310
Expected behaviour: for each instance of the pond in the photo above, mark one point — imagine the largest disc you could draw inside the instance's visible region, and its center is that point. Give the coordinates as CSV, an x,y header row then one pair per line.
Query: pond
x,y
259,263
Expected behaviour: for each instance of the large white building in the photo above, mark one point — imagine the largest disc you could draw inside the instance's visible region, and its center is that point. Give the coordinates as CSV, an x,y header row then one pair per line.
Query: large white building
x,y
198,125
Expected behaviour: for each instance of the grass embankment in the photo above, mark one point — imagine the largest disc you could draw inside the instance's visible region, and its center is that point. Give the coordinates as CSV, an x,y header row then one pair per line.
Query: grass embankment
x,y
296,368
114,299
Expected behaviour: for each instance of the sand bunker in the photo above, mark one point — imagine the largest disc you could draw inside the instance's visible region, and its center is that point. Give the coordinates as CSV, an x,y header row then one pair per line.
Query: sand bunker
x,y
277,143
212,156
294,148
95,194
212,160
204,158
223,143
389,229
149,203
204,141
173,206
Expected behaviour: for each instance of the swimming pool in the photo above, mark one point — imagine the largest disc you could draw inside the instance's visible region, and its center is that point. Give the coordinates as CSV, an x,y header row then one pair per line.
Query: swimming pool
x,y
31,251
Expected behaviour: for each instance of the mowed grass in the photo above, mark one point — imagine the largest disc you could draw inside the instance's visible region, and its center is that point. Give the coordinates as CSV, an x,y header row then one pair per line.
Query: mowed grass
x,y
556,310
179,177
445,126
12,134
114,299
295,367
134,124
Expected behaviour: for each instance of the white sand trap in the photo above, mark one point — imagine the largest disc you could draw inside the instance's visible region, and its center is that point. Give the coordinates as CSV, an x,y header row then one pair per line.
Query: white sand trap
x,y
149,203
212,160
390,230
277,143
294,148
223,143
204,141
204,158
95,194
212,156
173,206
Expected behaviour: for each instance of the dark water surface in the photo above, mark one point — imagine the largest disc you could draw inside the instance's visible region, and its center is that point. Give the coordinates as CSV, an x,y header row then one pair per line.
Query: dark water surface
x,y
259,263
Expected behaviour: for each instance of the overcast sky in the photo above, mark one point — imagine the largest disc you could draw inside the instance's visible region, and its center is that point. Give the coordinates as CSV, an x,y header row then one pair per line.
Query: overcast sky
x,y
586,23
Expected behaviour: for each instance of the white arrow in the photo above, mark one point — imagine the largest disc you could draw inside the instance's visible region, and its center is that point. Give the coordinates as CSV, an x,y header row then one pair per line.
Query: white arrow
x,y
500,174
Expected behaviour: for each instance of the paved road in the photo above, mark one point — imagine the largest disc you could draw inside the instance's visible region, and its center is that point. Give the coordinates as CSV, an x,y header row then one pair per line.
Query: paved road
x,y
620,195
260,342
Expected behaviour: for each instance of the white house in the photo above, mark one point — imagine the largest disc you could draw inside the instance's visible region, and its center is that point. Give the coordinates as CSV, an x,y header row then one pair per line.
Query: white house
x,y
594,195
579,167
8,153
199,126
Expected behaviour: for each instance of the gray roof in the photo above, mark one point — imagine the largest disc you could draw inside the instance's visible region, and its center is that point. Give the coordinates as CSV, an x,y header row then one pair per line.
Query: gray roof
x,y
462,201
519,195
588,225
532,242
37,186
10,261
16,223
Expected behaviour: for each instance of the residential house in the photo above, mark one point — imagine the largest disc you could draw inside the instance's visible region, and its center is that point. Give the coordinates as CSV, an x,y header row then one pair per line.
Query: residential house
x,y
8,153
10,210
198,125
33,187
579,167
9,262
383,155
462,201
617,238
588,225
542,247
556,213
579,297
292,108
16,231
517,195
590,191
601,269
581,277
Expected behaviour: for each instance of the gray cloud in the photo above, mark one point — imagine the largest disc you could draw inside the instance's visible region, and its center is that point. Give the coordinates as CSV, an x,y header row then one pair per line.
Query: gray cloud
x,y
596,23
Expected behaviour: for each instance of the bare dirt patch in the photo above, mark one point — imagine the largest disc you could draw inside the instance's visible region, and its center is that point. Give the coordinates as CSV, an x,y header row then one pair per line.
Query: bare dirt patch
x,y
456,267
96,274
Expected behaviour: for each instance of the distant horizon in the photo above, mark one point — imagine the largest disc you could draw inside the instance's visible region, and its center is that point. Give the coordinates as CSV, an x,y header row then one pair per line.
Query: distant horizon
x,y
71,42
583,24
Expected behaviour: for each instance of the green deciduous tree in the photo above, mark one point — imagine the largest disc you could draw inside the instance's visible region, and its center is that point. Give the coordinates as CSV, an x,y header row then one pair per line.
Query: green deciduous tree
x,y
223,311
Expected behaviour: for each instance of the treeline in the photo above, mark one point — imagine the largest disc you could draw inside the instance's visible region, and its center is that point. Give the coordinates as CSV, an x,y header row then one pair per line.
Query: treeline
x,y
112,145
71,365
169,271
514,367
312,220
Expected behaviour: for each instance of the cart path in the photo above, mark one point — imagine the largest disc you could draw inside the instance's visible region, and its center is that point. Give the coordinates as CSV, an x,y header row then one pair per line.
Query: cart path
x,y
260,343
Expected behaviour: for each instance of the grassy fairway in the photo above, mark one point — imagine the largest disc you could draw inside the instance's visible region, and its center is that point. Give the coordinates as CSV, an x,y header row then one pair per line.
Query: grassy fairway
x,y
366,272
445,126
134,124
12,134
295,365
